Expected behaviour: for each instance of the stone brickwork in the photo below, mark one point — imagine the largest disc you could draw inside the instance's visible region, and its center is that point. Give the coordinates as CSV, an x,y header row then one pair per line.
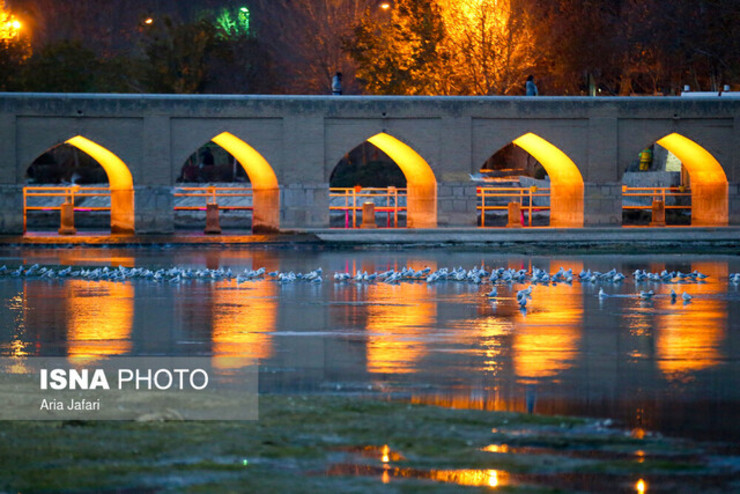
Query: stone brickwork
x,y
303,137
456,204
154,209
11,209
304,206
603,203
734,206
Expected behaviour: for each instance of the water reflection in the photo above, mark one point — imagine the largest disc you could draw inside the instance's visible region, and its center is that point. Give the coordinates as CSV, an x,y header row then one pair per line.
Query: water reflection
x,y
243,320
656,365
689,336
99,319
398,322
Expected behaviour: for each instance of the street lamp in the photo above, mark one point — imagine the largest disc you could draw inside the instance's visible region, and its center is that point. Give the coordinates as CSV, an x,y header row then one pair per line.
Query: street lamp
x,y
385,5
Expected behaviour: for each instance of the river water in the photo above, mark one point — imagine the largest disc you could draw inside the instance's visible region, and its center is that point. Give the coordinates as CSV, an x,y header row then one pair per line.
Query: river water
x,y
649,365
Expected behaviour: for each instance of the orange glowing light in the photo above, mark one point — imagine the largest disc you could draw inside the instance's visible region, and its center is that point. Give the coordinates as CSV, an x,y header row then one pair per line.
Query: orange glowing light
x,y
546,340
120,182
119,176
689,338
421,184
496,448
148,20
385,5
709,188
243,322
99,318
641,486
386,452
259,171
566,189
395,344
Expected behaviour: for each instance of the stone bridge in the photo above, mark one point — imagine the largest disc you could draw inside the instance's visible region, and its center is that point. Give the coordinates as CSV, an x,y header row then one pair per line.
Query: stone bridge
x,y
289,146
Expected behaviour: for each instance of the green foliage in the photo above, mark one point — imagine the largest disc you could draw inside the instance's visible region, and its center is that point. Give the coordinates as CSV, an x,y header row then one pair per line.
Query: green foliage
x,y
66,66
176,56
198,58
13,54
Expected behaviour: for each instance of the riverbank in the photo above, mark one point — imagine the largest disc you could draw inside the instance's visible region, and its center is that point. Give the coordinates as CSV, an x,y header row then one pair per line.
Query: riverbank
x,y
341,443
617,239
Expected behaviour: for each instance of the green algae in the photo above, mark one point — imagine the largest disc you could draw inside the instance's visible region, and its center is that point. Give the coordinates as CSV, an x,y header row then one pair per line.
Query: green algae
x,y
298,438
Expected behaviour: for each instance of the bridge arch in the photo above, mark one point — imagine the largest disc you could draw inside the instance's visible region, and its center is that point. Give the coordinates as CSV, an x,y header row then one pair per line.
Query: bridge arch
x,y
264,183
120,182
566,181
265,188
421,184
709,187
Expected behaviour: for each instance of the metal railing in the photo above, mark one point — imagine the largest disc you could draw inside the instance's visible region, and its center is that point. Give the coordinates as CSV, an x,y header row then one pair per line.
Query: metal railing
x,y
211,195
354,197
657,193
65,194
523,195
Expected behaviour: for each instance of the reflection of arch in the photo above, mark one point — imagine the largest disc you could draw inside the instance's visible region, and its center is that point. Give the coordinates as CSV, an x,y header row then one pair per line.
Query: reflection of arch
x,y
265,191
566,182
421,183
120,182
709,190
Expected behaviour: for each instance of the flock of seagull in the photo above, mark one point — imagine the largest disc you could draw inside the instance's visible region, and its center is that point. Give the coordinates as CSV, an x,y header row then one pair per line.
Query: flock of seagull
x,y
478,275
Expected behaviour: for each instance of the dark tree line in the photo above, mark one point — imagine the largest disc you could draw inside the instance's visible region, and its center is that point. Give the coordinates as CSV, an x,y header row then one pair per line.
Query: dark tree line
x,y
609,47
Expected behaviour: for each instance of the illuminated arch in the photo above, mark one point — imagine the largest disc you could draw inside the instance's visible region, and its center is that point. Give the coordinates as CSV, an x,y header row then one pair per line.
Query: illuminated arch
x,y
709,188
265,189
421,184
566,182
120,182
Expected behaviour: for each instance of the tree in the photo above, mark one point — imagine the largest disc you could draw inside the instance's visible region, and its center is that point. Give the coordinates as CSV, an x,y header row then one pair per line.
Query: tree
x,y
65,66
489,45
15,49
176,56
305,39
402,54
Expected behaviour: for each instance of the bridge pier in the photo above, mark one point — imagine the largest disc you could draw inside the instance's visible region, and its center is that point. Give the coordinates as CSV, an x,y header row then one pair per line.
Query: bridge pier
x,y
11,209
734,203
304,206
602,204
154,211
456,204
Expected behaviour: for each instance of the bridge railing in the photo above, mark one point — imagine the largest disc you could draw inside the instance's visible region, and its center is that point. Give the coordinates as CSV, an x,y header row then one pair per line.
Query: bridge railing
x,y
52,197
349,200
234,198
498,199
656,194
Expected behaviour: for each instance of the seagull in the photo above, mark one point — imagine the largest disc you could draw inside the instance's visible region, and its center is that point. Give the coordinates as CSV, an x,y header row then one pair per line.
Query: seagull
x,y
602,294
686,297
493,293
647,295
673,296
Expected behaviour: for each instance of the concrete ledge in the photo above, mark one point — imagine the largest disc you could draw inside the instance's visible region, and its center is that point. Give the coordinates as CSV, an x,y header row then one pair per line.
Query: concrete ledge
x,y
673,239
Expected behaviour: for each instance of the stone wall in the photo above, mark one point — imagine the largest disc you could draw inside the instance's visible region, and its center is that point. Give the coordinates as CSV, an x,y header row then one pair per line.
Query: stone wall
x,y
304,206
154,209
456,204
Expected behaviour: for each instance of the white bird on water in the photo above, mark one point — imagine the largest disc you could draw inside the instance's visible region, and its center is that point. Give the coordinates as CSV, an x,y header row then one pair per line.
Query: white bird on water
x,y
602,294
686,297
647,295
673,296
493,293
